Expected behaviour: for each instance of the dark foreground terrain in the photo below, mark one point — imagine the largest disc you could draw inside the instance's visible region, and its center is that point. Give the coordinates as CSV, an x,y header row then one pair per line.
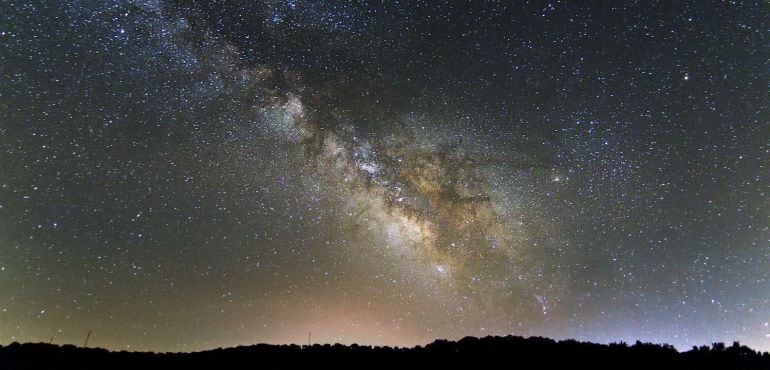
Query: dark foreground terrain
x,y
469,353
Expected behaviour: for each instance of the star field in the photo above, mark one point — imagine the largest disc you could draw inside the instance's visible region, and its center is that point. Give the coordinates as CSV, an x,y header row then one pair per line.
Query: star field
x,y
180,175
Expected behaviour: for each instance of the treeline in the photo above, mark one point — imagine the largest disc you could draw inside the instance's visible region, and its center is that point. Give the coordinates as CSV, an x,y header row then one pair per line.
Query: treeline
x,y
509,352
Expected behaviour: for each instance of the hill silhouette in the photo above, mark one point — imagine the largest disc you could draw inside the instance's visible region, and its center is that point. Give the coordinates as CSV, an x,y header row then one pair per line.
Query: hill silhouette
x,y
510,352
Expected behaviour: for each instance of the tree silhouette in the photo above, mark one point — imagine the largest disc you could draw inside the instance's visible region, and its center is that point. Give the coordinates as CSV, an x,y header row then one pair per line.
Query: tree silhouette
x,y
508,352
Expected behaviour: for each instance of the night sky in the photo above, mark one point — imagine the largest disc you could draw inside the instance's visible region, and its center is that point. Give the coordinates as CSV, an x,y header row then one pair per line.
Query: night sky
x,y
184,175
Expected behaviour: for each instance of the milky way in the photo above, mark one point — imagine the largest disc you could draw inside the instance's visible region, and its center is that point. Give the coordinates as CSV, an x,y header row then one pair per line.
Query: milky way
x,y
188,175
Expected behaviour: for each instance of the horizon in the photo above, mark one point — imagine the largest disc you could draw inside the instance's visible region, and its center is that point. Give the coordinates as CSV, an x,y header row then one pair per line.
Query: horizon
x,y
412,346
194,174
184,349
469,352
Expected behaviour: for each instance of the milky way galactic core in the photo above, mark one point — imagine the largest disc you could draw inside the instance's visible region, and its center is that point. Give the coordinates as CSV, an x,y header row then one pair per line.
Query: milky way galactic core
x,y
184,175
